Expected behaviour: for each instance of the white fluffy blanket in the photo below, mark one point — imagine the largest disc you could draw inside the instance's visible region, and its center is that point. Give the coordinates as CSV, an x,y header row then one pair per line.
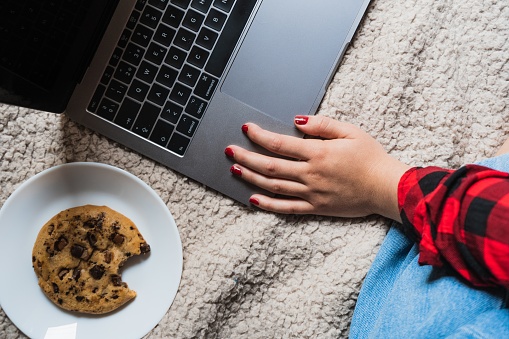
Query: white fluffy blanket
x,y
429,79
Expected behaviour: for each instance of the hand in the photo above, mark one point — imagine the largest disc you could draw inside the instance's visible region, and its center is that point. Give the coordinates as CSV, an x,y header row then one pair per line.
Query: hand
x,y
349,174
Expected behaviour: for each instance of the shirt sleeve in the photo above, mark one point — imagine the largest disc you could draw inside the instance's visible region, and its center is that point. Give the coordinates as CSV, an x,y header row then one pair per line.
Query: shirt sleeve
x,y
461,218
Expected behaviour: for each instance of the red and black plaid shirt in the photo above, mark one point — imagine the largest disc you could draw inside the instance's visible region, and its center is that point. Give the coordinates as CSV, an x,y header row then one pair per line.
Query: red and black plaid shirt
x,y
460,217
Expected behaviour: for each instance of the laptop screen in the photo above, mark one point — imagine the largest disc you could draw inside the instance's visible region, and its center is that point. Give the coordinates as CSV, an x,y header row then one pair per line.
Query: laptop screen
x,y
46,46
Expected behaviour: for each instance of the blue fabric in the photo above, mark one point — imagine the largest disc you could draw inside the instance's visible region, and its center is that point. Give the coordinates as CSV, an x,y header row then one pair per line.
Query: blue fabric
x,y
401,299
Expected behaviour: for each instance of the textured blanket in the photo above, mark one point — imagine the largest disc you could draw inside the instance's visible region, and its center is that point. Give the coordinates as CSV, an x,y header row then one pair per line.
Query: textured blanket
x,y
428,79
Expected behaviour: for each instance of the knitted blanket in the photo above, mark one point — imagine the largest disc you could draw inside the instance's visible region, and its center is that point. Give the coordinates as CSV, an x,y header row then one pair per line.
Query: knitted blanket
x,y
428,79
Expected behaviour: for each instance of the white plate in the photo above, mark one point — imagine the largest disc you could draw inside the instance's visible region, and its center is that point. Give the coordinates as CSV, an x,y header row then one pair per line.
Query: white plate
x,y
155,277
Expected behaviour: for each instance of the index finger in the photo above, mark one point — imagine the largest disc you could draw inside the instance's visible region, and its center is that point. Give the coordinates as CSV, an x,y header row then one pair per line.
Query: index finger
x,y
281,144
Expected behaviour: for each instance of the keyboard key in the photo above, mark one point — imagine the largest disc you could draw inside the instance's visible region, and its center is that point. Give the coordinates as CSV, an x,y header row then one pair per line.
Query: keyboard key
x,y
178,144
167,76
184,39
138,90
151,17
140,4
133,19
116,91
147,72
156,53
107,109
133,54
127,113
231,34
215,19
193,20
146,120
115,57
187,125
225,5
161,133
96,99
189,75
180,94
181,3
207,38
198,56
206,86
161,4
201,5
175,57
196,107
158,94
107,75
164,35
173,16
171,112
124,38
142,35
125,72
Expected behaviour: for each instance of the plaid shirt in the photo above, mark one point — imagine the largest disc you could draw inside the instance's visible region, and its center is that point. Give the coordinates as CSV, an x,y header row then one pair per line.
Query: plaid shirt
x,y
461,218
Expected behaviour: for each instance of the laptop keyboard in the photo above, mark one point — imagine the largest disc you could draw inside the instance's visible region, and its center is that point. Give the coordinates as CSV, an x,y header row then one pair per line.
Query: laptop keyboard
x,y
167,65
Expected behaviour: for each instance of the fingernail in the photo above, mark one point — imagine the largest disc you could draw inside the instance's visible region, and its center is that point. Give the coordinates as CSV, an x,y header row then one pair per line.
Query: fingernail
x,y
229,152
245,128
235,170
301,119
254,201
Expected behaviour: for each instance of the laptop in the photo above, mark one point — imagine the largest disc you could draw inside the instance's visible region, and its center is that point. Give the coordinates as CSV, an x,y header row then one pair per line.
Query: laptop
x,y
176,79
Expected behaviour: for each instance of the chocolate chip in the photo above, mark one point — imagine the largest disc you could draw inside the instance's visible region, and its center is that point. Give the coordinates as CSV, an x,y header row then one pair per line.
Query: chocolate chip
x,y
50,229
144,248
61,243
55,287
97,272
62,273
115,226
76,273
117,238
92,239
79,252
108,256
116,280
60,301
95,222
79,298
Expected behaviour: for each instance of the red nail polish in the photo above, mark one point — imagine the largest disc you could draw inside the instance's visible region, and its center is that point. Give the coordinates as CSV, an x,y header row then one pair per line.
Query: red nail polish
x,y
245,128
301,119
229,152
235,170
254,201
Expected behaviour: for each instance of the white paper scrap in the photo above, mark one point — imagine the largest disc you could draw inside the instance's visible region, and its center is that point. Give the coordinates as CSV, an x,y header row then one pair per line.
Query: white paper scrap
x,y
62,332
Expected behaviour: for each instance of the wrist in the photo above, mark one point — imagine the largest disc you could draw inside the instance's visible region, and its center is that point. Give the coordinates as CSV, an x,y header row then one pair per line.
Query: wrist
x,y
386,196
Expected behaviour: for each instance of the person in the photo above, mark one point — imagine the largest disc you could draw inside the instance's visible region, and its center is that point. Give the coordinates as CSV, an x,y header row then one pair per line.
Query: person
x,y
443,268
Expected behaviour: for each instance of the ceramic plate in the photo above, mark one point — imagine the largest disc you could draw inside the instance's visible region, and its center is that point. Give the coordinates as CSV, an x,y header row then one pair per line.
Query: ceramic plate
x,y
155,277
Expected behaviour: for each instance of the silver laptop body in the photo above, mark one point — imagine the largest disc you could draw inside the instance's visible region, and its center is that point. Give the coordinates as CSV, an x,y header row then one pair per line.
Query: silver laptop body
x,y
287,53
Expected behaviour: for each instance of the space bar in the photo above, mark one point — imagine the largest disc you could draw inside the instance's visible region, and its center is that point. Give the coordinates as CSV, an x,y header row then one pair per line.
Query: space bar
x,y
229,37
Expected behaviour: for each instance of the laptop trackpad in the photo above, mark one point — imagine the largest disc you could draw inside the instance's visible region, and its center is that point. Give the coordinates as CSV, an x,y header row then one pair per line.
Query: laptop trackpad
x,y
288,54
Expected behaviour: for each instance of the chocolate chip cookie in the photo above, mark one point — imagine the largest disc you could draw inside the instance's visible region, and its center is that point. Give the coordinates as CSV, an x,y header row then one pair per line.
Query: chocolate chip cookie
x,y
78,254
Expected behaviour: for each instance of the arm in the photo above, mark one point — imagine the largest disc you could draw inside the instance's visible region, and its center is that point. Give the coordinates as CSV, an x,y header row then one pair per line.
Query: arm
x,y
349,175
460,217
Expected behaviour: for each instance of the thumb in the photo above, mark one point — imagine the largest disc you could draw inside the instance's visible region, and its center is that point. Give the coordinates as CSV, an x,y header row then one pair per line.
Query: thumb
x,y
324,127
